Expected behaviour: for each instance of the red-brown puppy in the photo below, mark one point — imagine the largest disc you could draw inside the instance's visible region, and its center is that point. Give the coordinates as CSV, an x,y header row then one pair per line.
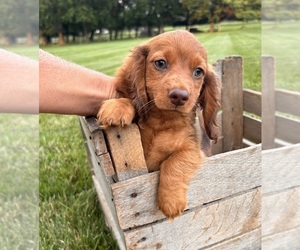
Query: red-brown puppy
x,y
161,83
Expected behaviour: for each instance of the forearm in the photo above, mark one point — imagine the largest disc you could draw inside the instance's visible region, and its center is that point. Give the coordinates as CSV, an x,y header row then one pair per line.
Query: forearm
x,y
67,88
19,91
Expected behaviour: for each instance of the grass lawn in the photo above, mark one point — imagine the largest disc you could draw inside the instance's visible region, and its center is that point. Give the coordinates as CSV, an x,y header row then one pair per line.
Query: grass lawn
x,y
282,42
19,181
70,216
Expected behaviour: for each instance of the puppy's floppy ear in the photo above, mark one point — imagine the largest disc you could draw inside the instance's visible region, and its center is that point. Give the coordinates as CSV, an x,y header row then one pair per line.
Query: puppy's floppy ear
x,y
210,101
131,79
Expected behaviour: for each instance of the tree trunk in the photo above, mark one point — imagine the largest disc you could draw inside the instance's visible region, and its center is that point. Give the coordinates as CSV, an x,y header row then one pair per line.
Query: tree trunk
x,y
61,40
29,38
160,29
110,35
6,40
43,40
91,38
211,27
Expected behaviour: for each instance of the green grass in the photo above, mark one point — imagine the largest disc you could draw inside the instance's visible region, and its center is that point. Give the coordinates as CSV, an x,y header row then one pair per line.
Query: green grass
x,y
24,50
19,181
282,42
70,214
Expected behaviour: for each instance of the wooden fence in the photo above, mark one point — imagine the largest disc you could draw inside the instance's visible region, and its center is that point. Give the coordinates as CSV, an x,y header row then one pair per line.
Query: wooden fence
x,y
280,163
240,117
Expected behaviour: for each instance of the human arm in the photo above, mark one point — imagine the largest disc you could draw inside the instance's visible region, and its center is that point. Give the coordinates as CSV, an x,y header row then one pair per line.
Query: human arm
x,y
67,88
19,91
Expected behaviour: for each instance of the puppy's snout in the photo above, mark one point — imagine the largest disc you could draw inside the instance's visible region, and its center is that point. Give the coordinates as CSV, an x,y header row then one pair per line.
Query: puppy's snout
x,y
178,96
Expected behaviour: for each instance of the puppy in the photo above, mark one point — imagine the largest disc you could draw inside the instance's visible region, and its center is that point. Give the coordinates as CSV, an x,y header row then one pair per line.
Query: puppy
x,y
161,83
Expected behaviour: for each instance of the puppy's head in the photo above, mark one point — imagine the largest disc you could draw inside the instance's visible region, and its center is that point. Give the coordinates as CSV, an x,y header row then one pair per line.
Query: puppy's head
x,y
171,72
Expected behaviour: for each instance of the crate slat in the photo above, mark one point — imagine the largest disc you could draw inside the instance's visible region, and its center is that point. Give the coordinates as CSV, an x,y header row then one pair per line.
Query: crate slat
x,y
287,129
249,240
220,176
284,240
126,151
203,226
280,168
252,129
288,101
280,211
252,101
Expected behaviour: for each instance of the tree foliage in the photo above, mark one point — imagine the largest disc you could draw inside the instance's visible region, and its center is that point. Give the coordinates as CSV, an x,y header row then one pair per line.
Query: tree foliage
x,y
71,18
18,18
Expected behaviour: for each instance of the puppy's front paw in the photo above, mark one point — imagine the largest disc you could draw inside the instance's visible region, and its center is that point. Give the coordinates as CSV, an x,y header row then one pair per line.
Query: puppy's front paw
x,y
171,203
116,112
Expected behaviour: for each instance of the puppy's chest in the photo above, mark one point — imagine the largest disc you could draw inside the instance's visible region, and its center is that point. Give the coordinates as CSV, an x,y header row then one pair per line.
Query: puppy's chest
x,y
165,141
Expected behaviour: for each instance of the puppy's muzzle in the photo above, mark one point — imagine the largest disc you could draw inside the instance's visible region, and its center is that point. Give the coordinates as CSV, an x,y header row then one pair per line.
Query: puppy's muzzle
x,y
178,97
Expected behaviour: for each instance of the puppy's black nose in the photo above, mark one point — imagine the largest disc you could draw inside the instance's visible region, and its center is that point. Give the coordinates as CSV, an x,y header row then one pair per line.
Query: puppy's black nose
x,y
178,96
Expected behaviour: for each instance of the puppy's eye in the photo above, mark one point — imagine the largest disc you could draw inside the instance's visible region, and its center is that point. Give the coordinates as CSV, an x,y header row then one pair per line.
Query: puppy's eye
x,y
198,72
160,64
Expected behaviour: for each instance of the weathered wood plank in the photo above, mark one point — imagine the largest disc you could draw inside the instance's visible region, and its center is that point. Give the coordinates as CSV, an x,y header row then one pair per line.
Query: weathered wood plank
x,y
268,102
105,162
95,146
232,103
280,168
109,212
201,227
249,240
252,101
95,134
288,101
218,147
286,240
104,193
252,129
220,176
287,129
280,211
126,151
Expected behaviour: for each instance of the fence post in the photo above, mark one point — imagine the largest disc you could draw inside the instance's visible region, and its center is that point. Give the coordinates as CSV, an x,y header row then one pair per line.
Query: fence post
x,y
268,102
232,103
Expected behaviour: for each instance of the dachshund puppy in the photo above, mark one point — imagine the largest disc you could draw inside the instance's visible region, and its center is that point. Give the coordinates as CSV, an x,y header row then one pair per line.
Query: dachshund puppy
x,y
161,83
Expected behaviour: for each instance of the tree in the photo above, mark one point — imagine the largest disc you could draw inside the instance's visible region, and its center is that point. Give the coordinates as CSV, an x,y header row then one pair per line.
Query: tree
x,y
192,11
52,16
18,19
246,10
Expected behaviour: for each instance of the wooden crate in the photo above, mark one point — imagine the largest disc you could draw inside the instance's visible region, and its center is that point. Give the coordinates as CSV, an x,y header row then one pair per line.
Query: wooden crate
x,y
224,198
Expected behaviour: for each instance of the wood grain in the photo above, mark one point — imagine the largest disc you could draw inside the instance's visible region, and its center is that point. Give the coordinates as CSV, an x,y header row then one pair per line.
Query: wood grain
x,y
268,102
288,101
252,101
250,240
232,103
220,176
287,129
126,151
280,168
285,240
252,129
201,227
280,211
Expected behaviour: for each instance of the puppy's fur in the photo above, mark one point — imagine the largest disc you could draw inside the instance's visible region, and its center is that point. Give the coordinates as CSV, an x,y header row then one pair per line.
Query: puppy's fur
x,y
161,83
